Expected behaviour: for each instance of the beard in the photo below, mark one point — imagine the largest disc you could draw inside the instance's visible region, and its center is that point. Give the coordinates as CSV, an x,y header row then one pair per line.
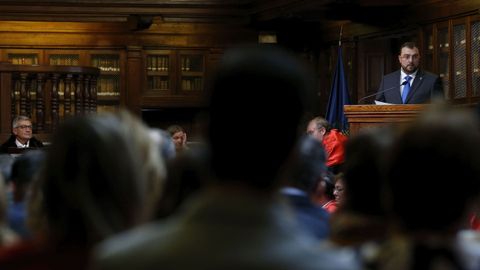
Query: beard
x,y
409,68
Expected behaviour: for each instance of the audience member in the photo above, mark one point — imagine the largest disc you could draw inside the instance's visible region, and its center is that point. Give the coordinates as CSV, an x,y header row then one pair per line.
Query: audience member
x,y
163,138
6,163
7,236
323,195
238,222
339,190
93,186
188,174
306,169
433,177
179,137
24,169
361,220
22,136
332,139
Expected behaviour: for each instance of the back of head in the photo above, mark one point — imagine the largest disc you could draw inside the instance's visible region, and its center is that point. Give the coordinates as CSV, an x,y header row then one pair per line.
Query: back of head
x,y
6,162
255,109
365,156
434,172
92,181
307,165
24,170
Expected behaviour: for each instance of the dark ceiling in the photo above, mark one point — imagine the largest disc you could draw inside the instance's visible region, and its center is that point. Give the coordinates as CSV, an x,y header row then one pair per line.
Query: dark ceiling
x,y
249,11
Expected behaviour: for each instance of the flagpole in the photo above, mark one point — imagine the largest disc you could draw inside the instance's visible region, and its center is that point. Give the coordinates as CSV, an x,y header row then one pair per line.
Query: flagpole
x,y
340,38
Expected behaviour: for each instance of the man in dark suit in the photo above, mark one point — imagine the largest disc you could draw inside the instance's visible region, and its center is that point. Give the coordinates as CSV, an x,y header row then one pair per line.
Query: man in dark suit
x,y
307,168
410,84
22,135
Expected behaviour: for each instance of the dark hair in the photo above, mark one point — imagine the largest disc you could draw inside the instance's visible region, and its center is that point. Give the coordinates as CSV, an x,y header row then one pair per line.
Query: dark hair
x,y
434,159
24,169
307,166
255,88
409,44
365,156
174,129
93,185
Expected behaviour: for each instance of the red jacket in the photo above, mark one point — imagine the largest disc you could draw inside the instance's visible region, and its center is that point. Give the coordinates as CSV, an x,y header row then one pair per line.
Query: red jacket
x,y
334,143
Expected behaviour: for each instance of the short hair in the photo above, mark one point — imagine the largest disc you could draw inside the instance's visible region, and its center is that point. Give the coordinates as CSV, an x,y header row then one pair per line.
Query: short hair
x,y
307,166
174,129
408,44
321,122
19,118
96,176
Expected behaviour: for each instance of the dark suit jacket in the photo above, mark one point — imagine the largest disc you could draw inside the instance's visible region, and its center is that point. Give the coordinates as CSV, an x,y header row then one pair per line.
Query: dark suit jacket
x,y
10,143
425,86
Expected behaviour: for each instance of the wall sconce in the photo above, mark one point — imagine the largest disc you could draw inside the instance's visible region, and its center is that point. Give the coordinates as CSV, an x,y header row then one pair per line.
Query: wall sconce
x,y
267,37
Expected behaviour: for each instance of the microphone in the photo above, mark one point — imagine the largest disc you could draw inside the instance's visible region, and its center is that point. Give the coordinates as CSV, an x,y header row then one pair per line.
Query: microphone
x,y
383,91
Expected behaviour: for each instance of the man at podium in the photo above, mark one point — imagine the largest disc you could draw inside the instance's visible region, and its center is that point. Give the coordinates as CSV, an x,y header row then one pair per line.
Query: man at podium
x,y
409,84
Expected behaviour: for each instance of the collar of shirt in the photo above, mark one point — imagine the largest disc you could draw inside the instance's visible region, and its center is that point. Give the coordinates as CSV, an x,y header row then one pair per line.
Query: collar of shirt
x,y
21,145
403,74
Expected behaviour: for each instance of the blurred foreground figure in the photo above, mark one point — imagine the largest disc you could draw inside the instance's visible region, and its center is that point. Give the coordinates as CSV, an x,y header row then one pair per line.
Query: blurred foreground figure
x,y
238,222
433,179
306,171
93,185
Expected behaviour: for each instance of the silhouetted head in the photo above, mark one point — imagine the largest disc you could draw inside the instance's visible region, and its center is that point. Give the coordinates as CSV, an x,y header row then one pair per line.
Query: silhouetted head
x,y
365,156
257,101
99,175
307,166
434,173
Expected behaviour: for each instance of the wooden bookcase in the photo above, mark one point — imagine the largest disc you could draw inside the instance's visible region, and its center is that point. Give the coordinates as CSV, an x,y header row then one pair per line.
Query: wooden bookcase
x,y
110,84
175,72
451,49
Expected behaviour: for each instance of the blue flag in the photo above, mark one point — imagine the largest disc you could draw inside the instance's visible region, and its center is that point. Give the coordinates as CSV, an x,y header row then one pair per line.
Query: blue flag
x,y
338,97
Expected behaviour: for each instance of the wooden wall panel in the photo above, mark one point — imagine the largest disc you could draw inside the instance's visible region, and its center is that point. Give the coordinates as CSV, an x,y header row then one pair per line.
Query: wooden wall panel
x,y
374,61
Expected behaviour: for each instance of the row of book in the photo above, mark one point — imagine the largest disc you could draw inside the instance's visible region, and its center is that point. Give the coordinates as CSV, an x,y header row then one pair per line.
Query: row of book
x,y
156,82
106,64
158,63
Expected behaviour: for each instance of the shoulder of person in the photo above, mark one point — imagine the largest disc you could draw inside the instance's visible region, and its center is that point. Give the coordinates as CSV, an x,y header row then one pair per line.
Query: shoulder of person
x,y
9,141
34,142
424,73
395,74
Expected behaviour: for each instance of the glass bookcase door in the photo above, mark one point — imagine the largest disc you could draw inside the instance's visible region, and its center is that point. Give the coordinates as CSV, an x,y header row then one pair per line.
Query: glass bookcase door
x,y
475,58
23,58
108,84
159,69
460,61
428,50
64,59
444,58
158,72
192,72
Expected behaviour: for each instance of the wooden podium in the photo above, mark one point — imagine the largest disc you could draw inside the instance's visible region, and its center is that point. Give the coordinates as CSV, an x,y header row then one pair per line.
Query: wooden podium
x,y
361,116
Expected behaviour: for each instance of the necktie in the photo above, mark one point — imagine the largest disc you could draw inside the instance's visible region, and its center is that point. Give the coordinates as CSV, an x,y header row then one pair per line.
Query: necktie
x,y
406,88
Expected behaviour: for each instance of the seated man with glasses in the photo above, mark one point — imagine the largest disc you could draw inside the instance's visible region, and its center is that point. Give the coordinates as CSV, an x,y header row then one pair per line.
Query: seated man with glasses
x,y
22,136
410,84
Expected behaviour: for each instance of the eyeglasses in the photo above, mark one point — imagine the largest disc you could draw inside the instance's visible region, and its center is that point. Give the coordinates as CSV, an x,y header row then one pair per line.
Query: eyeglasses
x,y
407,56
24,127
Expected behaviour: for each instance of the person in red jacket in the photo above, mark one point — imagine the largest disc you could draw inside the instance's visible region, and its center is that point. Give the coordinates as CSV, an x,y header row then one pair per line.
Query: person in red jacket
x,y
332,139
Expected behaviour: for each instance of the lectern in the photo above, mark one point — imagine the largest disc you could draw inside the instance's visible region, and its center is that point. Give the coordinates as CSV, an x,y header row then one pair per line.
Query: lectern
x,y
361,116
